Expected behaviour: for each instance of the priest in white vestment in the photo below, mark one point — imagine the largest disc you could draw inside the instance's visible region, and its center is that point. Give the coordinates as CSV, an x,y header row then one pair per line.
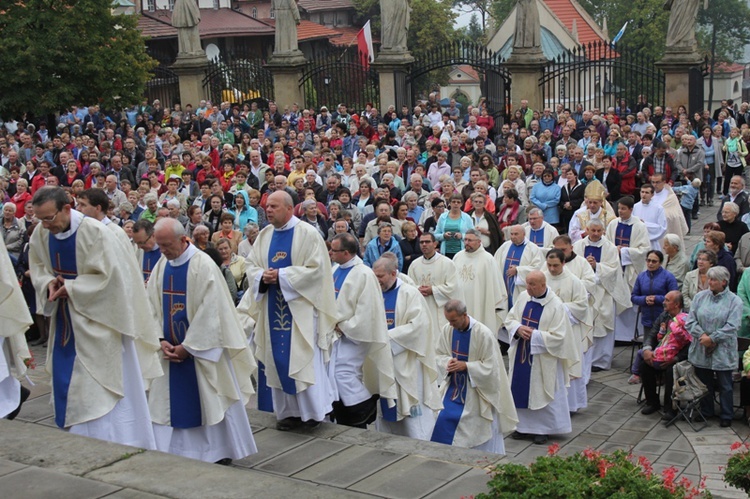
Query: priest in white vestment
x,y
147,255
477,403
630,236
435,277
543,351
98,354
538,231
292,301
412,344
651,214
610,291
94,203
361,365
670,203
14,352
595,206
481,283
516,258
574,296
198,406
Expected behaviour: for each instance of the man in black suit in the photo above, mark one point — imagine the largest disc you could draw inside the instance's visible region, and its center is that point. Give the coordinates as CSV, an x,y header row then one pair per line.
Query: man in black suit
x,y
737,195
610,179
578,162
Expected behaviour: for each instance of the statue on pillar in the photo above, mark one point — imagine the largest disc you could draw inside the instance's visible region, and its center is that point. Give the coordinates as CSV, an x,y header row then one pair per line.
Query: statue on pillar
x,y
185,17
528,34
287,19
682,18
394,19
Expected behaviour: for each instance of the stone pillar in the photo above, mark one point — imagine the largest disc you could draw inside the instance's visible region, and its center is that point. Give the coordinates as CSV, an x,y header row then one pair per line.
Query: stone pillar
x,y
392,69
676,67
191,70
287,71
526,69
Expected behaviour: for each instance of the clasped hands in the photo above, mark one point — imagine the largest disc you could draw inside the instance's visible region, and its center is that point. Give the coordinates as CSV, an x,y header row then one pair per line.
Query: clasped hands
x,y
174,353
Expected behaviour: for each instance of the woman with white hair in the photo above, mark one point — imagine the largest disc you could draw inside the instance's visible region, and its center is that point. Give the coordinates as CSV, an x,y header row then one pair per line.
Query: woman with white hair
x,y
677,261
12,231
715,317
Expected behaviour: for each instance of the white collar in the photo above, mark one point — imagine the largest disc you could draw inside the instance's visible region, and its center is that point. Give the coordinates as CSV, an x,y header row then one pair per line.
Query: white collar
x,y
76,217
186,255
289,225
106,220
351,263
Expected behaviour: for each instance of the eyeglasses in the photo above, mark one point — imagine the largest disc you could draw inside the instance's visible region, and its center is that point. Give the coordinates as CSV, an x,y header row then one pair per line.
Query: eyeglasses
x,y
425,242
652,261
49,220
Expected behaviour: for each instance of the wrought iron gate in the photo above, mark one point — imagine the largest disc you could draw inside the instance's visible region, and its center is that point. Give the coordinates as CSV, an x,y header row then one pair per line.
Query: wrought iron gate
x,y
339,77
164,85
238,77
598,76
495,79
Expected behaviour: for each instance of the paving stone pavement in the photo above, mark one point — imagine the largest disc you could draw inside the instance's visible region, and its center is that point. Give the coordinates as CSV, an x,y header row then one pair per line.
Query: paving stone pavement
x,y
39,460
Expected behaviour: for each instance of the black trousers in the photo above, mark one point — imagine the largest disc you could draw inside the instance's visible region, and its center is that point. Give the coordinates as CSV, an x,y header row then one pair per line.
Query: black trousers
x,y
648,380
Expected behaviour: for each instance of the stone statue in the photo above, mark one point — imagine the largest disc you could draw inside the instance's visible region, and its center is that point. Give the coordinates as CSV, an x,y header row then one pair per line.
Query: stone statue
x,y
682,17
287,19
528,34
185,17
394,19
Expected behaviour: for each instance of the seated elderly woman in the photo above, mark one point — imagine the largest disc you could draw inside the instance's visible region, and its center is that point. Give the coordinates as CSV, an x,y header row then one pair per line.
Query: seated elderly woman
x,y
715,318
731,225
200,238
309,210
385,242
677,261
233,262
251,234
697,280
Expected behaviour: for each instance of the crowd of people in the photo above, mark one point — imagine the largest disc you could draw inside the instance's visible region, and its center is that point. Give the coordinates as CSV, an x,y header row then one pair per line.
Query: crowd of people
x,y
368,268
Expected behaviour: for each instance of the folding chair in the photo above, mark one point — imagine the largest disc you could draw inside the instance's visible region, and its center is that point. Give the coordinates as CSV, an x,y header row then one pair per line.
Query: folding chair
x,y
637,340
687,394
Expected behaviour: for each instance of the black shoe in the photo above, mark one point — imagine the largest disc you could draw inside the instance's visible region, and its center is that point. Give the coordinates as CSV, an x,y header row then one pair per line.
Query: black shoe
x,y
40,341
669,415
596,369
25,392
540,439
695,217
725,423
288,424
650,409
311,424
224,462
517,435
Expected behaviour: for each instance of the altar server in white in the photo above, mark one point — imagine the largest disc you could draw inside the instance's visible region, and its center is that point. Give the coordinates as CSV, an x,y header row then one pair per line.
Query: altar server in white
x,y
198,406
652,215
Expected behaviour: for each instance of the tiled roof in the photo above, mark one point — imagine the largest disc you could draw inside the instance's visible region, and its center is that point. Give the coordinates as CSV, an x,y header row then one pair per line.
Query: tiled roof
x,y
214,22
308,30
471,75
569,10
318,5
723,67
349,37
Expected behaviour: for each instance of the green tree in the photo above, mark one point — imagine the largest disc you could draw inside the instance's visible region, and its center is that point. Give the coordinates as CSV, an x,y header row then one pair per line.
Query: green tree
x,y
483,7
500,10
720,36
62,52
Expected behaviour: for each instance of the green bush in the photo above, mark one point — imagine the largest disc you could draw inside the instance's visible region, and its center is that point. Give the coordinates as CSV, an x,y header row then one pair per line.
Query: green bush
x,y
589,474
737,473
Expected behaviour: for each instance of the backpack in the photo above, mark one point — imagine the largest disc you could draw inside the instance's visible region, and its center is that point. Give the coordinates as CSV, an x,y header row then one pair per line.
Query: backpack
x,y
687,387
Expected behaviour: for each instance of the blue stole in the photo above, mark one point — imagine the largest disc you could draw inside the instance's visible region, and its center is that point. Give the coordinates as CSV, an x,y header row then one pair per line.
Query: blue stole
x,y
265,397
184,397
595,251
521,381
339,276
455,395
389,297
514,258
279,316
536,236
622,234
62,253
149,262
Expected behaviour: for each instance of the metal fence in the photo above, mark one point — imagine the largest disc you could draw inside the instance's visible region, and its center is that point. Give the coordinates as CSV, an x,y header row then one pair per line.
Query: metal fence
x,y
164,84
238,77
598,76
340,77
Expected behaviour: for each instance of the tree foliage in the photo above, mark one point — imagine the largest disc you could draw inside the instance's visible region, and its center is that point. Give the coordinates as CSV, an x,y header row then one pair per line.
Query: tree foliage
x,y
481,7
500,10
62,52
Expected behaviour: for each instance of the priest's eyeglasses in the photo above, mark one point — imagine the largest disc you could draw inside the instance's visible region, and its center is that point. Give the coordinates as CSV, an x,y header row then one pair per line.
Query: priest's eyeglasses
x,y
49,220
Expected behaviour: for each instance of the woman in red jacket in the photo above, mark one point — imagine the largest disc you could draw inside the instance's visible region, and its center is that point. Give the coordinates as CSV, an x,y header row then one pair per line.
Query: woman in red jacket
x,y
627,168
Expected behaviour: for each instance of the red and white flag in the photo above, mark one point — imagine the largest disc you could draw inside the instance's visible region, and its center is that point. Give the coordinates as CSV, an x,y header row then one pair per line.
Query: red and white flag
x,y
364,45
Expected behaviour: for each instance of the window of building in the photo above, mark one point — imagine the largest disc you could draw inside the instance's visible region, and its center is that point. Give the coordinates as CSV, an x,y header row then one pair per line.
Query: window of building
x,y
151,5
273,13
171,4
255,13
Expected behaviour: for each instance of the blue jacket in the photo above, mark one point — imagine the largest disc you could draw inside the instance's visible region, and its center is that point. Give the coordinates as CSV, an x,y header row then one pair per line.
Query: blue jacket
x,y
547,199
657,283
247,215
374,249
466,224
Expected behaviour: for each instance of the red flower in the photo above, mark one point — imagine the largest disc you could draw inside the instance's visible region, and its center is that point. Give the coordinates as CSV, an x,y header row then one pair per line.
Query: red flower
x,y
735,446
553,449
646,465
